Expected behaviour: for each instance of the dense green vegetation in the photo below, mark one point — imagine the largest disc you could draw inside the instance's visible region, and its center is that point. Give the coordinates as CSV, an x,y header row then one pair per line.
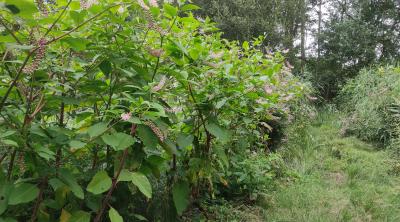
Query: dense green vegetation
x,y
341,179
123,108
372,103
147,110
328,178
327,41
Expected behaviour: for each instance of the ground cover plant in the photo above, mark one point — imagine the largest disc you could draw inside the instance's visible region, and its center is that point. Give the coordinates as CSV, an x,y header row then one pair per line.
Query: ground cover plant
x,y
107,105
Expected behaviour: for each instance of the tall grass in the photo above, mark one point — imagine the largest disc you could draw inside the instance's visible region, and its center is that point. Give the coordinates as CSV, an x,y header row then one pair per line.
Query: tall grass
x,y
340,178
372,104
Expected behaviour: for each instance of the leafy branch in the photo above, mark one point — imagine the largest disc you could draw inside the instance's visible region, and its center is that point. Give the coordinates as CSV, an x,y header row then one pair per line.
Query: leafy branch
x,y
14,81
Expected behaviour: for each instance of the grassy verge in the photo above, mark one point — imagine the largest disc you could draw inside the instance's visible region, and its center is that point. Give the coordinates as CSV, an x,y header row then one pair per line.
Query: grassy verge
x,y
328,178
341,179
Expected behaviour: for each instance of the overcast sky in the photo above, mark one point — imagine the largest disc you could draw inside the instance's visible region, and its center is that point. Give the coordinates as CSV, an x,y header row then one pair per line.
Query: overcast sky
x,y
312,31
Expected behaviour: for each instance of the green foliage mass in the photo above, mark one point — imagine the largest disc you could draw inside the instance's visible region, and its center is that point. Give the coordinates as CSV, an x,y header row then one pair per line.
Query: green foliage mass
x,y
372,103
102,101
278,21
328,178
356,35
244,20
328,41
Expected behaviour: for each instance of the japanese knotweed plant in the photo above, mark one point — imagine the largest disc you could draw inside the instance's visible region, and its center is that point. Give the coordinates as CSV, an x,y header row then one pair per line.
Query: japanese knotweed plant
x,y
95,94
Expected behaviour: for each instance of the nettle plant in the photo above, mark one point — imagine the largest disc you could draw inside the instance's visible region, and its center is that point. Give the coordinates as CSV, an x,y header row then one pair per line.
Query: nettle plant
x,y
97,94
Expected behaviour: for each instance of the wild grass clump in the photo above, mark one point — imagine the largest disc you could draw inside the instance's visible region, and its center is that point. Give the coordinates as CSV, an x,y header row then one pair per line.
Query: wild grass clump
x,y
372,104
339,178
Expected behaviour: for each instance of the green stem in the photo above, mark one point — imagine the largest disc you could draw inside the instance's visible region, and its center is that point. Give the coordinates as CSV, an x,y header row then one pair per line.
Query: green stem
x,y
83,23
3,157
14,82
9,30
11,164
161,45
58,18
203,121
104,204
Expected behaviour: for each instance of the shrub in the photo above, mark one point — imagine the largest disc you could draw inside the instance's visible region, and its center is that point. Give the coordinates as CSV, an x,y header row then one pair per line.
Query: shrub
x,y
103,102
253,174
371,102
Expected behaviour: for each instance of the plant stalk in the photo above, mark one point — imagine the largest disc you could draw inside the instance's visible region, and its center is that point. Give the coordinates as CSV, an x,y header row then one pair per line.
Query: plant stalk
x,y
104,204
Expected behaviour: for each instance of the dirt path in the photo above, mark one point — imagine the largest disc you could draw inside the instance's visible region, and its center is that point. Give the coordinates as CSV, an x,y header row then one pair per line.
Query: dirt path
x,y
340,179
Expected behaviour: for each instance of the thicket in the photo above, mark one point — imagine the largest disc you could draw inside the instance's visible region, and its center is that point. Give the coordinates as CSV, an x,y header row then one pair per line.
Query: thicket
x,y
372,103
130,109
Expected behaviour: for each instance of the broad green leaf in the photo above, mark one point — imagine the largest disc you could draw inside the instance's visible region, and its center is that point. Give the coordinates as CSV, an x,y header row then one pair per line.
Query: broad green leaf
x,y
78,17
138,180
220,103
97,129
114,215
55,183
142,183
38,130
13,9
190,7
105,67
65,216
156,161
7,133
80,216
140,217
9,143
169,146
219,150
23,193
77,44
170,10
118,141
45,152
134,120
69,179
100,183
76,144
147,136
61,195
222,134
245,45
194,54
43,216
125,175
23,8
184,140
180,195
5,189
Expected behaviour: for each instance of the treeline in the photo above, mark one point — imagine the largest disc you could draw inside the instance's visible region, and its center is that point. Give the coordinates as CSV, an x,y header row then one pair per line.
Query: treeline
x,y
328,41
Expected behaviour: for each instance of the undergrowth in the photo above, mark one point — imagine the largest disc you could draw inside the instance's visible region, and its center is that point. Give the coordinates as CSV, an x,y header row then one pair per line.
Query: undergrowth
x,y
372,105
341,178
328,177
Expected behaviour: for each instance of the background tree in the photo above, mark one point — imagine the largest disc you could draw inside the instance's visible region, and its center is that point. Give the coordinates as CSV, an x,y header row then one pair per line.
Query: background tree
x,y
347,34
356,34
280,21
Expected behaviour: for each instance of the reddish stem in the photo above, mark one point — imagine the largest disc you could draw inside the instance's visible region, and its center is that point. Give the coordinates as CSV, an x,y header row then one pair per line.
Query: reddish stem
x,y
104,204
39,199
